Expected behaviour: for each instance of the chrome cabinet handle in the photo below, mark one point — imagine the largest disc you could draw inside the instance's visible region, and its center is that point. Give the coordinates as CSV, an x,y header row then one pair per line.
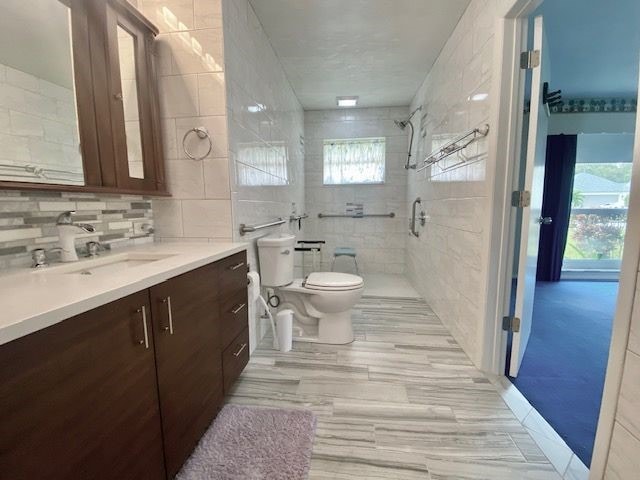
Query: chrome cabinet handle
x,y
237,266
242,347
143,311
170,313
238,308
285,252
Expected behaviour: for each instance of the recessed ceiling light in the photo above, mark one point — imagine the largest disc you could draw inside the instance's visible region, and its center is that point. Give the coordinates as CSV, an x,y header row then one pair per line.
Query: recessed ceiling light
x,y
478,97
347,101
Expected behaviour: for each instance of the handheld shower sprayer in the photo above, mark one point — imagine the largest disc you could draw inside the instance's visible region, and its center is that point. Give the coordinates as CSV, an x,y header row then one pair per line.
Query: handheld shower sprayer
x,y
402,124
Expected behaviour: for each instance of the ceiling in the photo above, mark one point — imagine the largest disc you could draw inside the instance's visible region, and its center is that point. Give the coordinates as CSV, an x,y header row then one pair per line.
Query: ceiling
x,y
34,38
594,45
379,50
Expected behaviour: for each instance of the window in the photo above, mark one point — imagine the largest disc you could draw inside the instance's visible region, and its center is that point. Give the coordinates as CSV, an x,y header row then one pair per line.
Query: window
x,y
353,161
598,216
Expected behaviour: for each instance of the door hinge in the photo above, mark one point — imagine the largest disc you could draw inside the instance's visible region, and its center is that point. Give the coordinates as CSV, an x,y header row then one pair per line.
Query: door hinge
x,y
521,198
511,324
530,59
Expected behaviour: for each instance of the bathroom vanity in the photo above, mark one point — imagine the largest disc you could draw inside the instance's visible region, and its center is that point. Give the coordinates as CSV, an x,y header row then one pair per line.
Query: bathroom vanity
x,y
114,368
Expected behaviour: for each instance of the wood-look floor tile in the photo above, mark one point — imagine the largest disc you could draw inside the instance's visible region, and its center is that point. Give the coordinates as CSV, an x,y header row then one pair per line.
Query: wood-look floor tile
x,y
357,389
403,401
339,469
488,470
454,444
397,464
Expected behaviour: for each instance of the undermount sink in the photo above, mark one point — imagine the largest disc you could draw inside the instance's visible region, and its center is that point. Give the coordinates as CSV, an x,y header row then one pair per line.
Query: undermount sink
x,y
108,264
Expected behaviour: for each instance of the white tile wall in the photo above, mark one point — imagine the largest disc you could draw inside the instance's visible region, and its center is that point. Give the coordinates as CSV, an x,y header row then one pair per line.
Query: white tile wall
x,y
211,73
379,242
265,118
447,263
192,94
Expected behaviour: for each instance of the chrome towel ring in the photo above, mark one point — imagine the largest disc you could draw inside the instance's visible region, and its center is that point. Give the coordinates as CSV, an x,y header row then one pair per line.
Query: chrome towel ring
x,y
202,133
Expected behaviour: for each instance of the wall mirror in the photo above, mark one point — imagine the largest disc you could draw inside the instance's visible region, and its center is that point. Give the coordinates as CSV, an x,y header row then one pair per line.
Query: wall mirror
x,y
129,88
39,135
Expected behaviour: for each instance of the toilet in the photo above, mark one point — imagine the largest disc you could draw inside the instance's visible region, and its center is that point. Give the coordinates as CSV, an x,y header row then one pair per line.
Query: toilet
x,y
321,302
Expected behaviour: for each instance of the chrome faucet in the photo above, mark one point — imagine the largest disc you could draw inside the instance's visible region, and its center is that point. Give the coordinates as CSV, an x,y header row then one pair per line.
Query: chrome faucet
x,y
40,258
67,231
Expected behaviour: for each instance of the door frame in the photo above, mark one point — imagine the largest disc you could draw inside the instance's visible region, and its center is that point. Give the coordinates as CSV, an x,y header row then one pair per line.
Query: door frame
x,y
506,145
511,40
622,319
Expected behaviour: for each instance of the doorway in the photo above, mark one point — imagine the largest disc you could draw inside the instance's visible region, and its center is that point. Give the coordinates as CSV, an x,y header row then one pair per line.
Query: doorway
x,y
568,238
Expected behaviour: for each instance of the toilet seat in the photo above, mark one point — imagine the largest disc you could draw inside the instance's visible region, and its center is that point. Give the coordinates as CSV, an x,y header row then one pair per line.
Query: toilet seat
x,y
333,282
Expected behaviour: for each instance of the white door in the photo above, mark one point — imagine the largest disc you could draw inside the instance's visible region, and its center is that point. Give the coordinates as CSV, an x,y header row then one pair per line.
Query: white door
x,y
534,183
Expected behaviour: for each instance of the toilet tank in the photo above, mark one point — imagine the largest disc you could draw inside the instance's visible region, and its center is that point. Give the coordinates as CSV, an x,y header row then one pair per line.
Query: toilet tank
x,y
275,254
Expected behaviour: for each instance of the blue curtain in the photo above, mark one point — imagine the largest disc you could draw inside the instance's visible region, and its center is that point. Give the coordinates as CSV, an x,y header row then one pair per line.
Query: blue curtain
x,y
560,167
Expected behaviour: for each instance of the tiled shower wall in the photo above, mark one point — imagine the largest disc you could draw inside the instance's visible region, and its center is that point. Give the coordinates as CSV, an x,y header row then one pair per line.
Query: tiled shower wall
x,y
27,221
266,127
379,242
448,262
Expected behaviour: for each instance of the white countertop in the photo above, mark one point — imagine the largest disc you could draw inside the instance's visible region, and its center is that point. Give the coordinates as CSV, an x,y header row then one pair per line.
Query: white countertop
x,y
31,299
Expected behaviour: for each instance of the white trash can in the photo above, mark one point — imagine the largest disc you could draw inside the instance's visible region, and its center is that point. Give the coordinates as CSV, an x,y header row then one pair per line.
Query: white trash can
x,y
284,327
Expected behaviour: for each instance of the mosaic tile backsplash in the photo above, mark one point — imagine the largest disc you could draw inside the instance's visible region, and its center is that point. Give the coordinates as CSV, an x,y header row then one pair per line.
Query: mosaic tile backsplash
x,y
27,221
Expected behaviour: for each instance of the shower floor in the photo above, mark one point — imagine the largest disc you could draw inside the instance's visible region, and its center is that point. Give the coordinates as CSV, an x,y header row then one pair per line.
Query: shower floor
x,y
388,285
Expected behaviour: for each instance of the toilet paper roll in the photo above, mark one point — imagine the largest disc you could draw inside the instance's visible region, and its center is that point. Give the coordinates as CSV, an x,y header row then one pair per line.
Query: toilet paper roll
x,y
254,286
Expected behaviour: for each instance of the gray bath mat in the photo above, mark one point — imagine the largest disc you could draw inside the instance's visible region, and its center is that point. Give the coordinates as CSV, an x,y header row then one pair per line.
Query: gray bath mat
x,y
252,443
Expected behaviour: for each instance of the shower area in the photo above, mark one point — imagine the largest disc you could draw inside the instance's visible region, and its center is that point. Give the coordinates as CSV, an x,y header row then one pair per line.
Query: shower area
x,y
355,195
397,198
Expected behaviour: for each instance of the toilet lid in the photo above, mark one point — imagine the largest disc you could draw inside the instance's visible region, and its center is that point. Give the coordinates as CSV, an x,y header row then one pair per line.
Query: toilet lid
x,y
333,281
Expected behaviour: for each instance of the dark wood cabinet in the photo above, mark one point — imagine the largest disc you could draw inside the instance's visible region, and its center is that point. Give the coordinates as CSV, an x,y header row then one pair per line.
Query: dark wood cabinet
x,y
128,389
234,308
133,100
187,335
117,99
79,399
234,358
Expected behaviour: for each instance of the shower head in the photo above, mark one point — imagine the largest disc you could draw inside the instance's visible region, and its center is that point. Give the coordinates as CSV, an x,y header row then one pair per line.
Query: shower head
x,y
402,124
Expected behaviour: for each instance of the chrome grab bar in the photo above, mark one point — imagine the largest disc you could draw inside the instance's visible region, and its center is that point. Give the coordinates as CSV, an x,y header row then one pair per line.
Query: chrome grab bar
x,y
412,227
331,215
244,229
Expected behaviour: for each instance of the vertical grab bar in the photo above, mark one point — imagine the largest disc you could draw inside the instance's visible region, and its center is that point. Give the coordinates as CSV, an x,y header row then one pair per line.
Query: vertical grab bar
x,y
412,228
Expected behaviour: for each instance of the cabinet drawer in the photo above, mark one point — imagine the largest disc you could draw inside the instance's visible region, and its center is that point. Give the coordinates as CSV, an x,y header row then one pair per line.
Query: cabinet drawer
x,y
235,358
235,317
232,273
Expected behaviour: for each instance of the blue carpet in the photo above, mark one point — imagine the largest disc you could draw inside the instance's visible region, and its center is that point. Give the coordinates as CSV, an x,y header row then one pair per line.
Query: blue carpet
x,y
563,370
